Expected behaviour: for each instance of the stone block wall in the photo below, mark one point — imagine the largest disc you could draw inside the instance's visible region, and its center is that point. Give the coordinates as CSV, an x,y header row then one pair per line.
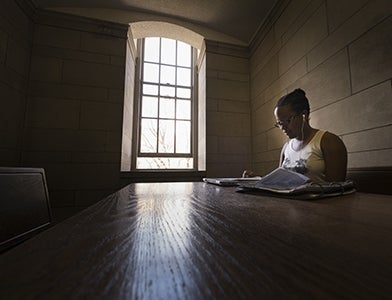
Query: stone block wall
x,y
228,114
16,33
75,108
340,53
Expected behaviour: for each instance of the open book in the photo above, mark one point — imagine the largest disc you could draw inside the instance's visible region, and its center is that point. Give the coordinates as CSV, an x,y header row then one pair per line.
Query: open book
x,y
283,182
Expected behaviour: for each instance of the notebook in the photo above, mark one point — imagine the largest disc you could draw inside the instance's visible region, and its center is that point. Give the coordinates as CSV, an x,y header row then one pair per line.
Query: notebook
x,y
230,181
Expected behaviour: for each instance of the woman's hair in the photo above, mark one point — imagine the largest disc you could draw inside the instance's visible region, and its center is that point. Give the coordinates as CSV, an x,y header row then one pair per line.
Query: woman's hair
x,y
297,101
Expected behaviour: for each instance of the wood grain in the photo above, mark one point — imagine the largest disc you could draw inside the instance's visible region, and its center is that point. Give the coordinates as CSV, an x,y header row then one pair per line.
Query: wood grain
x,y
199,241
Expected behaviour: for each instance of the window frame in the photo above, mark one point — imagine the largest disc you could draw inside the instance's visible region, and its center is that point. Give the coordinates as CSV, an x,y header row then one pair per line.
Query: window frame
x,y
138,114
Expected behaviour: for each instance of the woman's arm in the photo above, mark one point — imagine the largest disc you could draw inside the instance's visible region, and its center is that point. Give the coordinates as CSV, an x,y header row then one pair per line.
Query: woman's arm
x,y
249,173
335,156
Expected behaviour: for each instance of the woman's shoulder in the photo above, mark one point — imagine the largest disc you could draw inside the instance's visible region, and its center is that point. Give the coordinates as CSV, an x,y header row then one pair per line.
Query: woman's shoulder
x,y
330,139
329,135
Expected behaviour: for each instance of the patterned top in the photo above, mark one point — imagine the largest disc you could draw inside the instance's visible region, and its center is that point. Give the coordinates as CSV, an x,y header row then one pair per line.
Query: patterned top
x,y
308,160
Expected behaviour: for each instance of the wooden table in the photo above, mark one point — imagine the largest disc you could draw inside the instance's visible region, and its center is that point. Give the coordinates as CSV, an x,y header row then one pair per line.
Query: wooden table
x,y
200,241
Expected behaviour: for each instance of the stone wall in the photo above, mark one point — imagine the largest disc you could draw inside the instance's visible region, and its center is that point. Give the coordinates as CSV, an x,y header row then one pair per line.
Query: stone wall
x,y
228,114
340,53
73,116
16,34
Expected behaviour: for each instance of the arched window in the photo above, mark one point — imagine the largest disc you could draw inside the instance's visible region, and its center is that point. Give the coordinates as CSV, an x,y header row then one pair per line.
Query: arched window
x,y
164,107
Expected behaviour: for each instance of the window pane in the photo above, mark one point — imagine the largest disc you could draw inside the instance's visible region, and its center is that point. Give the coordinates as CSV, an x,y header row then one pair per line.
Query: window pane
x,y
151,49
151,72
183,54
167,91
150,107
164,163
149,89
183,109
184,76
166,108
148,140
183,140
168,75
168,51
166,136
166,105
183,93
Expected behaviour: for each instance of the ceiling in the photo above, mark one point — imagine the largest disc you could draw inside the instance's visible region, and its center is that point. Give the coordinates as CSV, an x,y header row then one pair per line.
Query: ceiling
x,y
239,19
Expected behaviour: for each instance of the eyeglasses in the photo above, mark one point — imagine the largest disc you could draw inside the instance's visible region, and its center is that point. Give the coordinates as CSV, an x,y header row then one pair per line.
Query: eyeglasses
x,y
280,124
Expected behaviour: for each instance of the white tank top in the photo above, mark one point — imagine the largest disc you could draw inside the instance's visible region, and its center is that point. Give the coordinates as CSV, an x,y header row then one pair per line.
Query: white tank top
x,y
308,161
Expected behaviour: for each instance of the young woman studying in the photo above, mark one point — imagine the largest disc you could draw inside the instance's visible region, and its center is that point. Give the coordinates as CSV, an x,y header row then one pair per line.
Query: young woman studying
x,y
319,155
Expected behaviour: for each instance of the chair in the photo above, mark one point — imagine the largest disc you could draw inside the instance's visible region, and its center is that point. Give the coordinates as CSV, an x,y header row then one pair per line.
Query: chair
x,y
24,205
372,180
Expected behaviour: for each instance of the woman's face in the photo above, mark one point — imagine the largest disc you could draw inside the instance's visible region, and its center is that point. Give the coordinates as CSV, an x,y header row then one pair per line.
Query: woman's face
x,y
288,121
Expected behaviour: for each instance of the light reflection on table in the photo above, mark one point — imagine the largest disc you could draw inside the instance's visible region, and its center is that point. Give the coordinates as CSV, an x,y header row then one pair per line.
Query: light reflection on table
x,y
199,241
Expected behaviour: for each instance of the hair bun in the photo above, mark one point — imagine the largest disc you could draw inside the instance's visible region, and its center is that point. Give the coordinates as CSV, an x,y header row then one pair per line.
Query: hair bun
x,y
297,101
300,92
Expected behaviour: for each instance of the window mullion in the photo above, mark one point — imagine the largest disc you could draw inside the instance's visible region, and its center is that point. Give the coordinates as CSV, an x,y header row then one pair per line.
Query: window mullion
x,y
159,91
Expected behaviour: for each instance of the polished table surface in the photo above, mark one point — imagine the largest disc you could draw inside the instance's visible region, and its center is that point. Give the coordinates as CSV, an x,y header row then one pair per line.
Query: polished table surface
x,y
200,241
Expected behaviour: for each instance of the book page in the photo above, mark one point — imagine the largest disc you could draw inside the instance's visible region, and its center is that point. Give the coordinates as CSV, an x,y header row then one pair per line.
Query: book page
x,y
282,179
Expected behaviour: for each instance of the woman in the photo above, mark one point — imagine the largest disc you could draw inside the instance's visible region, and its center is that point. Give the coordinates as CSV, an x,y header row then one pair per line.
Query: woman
x,y
320,155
